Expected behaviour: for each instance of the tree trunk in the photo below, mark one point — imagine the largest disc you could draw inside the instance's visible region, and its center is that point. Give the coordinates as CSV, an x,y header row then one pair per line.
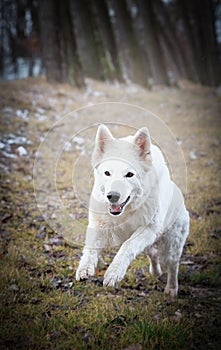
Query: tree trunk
x,y
172,41
50,40
126,42
60,55
107,42
152,44
85,36
208,59
138,26
184,9
73,72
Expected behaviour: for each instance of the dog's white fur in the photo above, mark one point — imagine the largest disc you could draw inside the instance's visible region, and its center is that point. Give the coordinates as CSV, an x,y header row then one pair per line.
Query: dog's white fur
x,y
154,217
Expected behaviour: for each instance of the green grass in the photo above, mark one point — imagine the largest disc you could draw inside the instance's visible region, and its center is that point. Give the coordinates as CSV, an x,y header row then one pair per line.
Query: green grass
x,y
36,316
210,277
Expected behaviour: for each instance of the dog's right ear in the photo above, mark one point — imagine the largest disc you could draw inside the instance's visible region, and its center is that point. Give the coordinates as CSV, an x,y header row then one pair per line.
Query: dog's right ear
x,y
103,134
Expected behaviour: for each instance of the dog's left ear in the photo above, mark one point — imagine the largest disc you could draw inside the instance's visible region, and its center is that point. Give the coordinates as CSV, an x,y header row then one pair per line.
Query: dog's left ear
x,y
142,141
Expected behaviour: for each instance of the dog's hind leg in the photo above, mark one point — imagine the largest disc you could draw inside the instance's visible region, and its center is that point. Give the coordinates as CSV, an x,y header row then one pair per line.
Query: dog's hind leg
x,y
154,268
172,279
176,238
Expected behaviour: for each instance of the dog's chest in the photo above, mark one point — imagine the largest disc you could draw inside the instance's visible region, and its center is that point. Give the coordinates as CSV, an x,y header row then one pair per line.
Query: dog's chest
x,y
118,231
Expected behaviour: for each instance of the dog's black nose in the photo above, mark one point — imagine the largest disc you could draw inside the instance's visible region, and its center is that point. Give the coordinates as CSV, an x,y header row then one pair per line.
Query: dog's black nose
x,y
113,197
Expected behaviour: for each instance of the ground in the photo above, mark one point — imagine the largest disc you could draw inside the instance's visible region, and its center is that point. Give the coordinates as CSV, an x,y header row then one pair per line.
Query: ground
x,y
42,306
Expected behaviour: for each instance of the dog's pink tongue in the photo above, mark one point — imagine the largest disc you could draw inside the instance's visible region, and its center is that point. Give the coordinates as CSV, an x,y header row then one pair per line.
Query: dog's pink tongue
x,y
115,208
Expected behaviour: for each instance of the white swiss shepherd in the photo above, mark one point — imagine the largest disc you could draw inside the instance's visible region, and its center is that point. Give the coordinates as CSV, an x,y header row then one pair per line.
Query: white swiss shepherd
x,y
134,205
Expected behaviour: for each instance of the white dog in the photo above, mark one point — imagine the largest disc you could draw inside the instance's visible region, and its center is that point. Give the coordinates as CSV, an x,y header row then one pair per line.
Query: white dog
x,y
135,205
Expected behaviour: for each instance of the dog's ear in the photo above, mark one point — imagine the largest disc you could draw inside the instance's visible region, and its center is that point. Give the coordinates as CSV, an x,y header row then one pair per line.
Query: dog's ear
x,y
103,134
142,141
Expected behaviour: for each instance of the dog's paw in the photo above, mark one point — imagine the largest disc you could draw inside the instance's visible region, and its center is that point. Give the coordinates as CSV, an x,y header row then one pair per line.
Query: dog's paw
x,y
84,272
155,270
171,291
113,275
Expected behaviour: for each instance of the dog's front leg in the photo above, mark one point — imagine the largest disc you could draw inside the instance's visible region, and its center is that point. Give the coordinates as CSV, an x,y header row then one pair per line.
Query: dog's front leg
x,y
87,263
143,237
95,242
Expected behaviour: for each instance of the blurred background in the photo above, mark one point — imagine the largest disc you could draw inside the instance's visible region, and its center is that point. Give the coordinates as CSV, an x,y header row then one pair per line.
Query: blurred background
x,y
150,42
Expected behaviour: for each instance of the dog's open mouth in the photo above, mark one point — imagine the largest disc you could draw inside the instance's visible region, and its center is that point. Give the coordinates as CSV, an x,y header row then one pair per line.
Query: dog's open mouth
x,y
116,209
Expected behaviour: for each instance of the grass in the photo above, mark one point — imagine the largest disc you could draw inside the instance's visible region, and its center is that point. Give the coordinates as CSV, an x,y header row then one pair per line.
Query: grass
x,y
85,316
41,304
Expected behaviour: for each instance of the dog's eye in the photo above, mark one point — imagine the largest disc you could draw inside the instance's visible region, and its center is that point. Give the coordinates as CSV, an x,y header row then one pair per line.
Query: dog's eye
x,y
107,173
129,174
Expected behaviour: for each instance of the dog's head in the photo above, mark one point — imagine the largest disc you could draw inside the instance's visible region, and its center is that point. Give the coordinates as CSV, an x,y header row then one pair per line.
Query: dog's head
x,y
120,166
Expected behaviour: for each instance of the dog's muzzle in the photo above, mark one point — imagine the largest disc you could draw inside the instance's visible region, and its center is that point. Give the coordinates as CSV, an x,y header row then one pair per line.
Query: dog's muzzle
x,y
117,209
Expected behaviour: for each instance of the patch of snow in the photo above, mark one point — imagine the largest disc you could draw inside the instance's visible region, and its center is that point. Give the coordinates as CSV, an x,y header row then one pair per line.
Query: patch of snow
x,y
90,92
56,240
40,114
2,145
67,146
9,155
73,216
52,101
41,117
83,152
40,110
116,84
7,109
17,140
23,114
131,89
98,93
54,216
79,140
193,155
14,287
21,151
28,178
47,247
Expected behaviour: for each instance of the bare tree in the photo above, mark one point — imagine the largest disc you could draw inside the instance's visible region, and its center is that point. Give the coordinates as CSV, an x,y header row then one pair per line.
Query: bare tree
x,y
154,51
59,47
86,40
106,40
206,48
130,58
171,41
